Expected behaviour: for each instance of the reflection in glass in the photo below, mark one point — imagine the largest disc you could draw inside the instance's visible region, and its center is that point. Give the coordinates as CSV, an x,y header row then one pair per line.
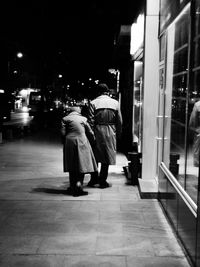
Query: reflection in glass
x,y
193,142
183,89
179,96
187,228
196,89
181,60
183,139
162,47
137,107
197,52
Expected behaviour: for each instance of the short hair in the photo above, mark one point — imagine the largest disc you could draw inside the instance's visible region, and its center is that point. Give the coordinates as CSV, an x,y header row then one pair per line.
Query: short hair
x,y
102,88
76,108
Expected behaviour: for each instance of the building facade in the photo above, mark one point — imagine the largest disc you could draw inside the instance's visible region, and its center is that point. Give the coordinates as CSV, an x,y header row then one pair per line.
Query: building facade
x,y
166,111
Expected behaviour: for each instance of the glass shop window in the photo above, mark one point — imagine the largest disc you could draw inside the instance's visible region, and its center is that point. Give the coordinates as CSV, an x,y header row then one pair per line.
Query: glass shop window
x,y
162,47
193,140
196,52
185,122
137,104
180,59
181,32
183,137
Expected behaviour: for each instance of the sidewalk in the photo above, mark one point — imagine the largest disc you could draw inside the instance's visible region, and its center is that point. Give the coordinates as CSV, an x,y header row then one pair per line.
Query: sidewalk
x,y
40,226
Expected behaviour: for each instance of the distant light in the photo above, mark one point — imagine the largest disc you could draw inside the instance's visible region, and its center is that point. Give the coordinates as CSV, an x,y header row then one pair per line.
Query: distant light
x,y
23,92
96,81
1,91
15,71
82,83
24,109
19,55
25,116
113,71
60,76
90,79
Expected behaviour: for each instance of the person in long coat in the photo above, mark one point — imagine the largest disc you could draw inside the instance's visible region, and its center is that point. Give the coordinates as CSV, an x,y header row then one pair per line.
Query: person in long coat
x,y
78,157
104,117
194,124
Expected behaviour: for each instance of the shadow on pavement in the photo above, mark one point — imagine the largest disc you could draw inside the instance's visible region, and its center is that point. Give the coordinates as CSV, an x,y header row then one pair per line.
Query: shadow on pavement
x,y
50,190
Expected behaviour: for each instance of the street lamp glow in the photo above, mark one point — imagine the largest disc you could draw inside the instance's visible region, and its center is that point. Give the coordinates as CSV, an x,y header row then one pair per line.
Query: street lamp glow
x,y
19,55
60,76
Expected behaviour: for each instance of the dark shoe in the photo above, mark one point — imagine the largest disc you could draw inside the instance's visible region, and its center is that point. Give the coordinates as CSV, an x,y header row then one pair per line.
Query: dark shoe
x,y
92,183
69,191
79,192
94,180
104,185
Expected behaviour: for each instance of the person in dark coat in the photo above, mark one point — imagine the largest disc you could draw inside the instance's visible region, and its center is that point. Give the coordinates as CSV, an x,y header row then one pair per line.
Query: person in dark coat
x,y
104,117
78,157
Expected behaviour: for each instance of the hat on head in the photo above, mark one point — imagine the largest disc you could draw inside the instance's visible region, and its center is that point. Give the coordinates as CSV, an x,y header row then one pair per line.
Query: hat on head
x,y
102,88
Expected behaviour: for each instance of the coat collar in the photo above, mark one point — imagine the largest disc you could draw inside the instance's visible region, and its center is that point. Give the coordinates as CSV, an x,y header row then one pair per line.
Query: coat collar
x,y
74,113
103,96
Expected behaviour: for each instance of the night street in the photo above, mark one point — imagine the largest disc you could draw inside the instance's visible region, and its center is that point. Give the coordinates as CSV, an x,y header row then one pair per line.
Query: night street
x,y
100,133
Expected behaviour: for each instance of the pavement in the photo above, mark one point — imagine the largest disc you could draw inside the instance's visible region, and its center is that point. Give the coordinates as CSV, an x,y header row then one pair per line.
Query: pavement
x,y
41,226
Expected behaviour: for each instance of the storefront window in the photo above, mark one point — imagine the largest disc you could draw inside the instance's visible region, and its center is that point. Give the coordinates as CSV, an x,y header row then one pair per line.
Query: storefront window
x,y
182,127
180,59
192,171
137,107
169,10
182,136
197,52
162,48
185,114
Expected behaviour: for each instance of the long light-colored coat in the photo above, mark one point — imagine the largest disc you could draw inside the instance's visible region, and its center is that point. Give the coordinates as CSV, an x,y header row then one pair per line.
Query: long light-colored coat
x,y
77,152
105,119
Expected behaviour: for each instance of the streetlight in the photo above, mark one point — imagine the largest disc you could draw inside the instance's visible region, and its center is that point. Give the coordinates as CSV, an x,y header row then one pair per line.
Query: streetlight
x,y
19,55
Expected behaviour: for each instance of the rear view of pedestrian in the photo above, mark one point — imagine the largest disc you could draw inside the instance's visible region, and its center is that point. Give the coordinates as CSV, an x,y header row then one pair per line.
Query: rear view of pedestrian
x,y
78,157
105,119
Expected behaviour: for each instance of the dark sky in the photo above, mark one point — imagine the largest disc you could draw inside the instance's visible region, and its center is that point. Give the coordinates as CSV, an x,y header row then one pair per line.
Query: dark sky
x,y
74,35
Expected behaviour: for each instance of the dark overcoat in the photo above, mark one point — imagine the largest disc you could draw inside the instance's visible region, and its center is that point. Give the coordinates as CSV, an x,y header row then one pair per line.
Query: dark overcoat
x,y
77,152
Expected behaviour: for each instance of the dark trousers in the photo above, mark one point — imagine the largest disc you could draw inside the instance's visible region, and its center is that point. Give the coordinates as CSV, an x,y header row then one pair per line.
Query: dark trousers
x,y
102,177
75,177
103,173
94,177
